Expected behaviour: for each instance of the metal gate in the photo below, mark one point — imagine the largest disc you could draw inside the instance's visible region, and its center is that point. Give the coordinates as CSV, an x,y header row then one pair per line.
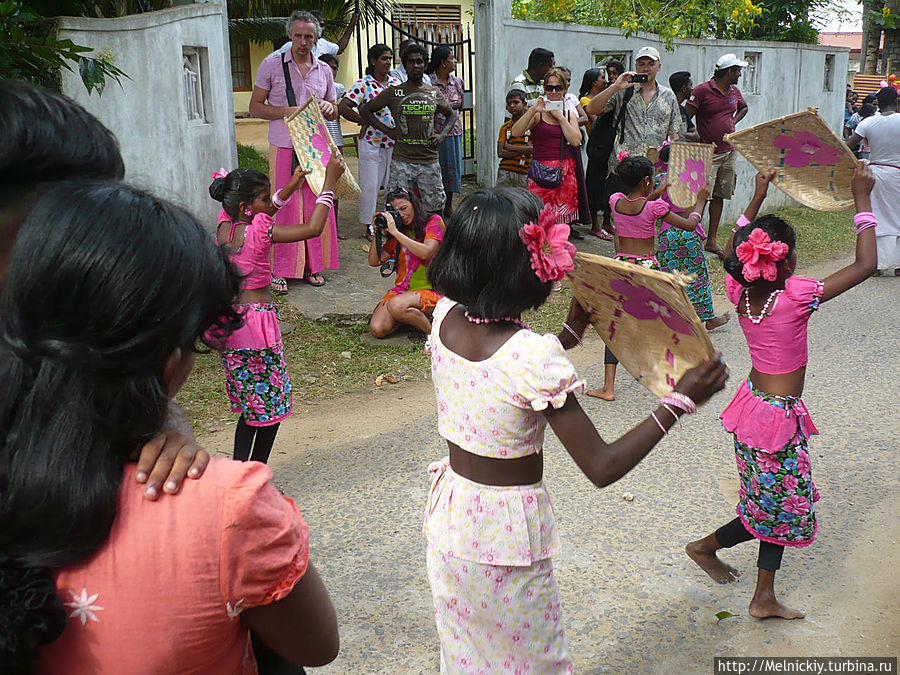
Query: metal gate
x,y
404,23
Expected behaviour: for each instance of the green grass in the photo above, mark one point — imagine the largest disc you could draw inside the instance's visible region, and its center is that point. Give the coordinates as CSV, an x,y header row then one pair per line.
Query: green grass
x,y
251,158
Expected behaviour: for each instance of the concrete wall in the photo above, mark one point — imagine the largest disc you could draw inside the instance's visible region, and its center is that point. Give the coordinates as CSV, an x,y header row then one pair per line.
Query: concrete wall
x,y
792,77
164,151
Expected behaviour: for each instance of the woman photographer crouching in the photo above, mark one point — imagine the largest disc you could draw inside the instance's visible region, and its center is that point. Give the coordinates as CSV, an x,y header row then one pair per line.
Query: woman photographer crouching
x,y
419,236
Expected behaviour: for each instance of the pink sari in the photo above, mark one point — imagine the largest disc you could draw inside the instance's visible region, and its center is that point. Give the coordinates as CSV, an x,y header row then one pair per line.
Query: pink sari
x,y
297,259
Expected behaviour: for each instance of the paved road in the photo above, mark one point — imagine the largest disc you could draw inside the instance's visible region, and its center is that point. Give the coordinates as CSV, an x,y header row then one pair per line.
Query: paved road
x,y
633,603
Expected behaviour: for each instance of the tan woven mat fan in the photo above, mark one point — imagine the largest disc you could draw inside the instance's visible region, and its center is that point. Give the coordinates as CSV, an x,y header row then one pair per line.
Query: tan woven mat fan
x,y
314,147
814,165
644,317
689,167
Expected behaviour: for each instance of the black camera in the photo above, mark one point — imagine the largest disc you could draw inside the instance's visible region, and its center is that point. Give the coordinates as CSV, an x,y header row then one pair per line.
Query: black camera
x,y
380,221
640,77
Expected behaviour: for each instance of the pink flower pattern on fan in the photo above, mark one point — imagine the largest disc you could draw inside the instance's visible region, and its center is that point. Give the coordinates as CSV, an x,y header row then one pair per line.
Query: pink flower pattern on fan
x,y
642,303
320,142
759,255
694,174
548,243
804,148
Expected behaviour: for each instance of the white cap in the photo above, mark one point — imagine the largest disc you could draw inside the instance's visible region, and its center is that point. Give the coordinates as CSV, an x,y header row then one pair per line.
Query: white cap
x,y
729,61
652,52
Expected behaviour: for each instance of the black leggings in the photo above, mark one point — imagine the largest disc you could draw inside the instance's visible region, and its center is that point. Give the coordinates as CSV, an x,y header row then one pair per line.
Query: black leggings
x,y
734,533
609,358
260,439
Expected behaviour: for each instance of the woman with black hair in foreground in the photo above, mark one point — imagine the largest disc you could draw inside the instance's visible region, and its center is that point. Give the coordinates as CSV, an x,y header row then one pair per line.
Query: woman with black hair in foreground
x,y
108,293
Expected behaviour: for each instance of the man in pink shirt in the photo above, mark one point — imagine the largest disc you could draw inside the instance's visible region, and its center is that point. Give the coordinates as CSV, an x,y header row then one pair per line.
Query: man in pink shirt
x,y
308,77
719,105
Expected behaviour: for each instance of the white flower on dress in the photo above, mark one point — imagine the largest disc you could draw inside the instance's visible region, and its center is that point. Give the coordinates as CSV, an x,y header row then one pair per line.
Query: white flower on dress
x,y
83,606
234,612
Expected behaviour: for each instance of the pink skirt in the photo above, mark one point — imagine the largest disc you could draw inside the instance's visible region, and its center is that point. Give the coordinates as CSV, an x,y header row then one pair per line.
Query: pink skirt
x,y
760,424
297,259
256,377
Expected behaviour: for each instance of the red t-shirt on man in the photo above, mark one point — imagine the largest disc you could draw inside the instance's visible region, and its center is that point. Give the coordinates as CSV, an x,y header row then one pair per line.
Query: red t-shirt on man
x,y
715,112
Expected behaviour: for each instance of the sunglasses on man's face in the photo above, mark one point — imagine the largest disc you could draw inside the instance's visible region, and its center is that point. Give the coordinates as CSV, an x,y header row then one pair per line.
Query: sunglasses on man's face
x,y
553,87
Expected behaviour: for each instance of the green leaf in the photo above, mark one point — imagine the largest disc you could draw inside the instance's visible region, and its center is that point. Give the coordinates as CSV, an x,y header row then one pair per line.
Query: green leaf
x,y
724,614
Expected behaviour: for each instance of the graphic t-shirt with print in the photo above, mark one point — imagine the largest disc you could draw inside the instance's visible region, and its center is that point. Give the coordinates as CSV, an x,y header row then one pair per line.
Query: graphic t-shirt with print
x,y
413,112
365,90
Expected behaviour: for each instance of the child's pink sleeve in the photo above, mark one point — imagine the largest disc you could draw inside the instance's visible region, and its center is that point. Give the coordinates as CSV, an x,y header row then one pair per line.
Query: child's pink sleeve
x,y
614,198
265,541
659,208
733,289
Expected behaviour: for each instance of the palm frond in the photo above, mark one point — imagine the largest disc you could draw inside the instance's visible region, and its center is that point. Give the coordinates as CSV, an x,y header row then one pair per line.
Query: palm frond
x,y
337,12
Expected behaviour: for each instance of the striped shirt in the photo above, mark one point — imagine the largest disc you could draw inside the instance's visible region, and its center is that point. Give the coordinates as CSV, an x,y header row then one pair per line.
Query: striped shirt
x,y
518,164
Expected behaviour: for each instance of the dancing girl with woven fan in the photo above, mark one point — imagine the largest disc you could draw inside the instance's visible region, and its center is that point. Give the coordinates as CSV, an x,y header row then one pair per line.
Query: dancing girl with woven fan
x,y
769,423
489,526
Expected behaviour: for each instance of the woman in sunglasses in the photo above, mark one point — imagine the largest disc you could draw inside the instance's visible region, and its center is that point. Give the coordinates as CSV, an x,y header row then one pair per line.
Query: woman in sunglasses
x,y
555,137
412,244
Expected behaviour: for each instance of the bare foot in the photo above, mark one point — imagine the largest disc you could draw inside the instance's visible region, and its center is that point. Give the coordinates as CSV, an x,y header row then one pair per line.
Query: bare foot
x,y
765,609
710,563
601,393
720,320
715,249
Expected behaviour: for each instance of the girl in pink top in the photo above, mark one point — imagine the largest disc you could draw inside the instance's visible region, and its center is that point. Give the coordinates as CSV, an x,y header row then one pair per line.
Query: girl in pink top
x,y
634,217
93,577
489,525
256,376
767,419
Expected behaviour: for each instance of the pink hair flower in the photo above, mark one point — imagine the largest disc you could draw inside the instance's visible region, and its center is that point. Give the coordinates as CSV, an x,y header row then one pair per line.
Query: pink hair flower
x,y
759,255
622,155
221,173
548,243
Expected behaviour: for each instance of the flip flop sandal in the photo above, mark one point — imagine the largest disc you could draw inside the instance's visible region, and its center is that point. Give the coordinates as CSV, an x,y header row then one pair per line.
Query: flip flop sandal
x,y
279,286
602,234
314,279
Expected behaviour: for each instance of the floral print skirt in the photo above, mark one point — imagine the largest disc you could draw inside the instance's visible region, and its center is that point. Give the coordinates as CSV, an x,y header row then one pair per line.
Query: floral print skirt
x,y
256,376
489,549
680,250
777,493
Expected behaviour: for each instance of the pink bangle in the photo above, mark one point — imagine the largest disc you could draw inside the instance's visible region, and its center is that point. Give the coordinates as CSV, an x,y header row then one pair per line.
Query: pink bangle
x,y
574,334
680,401
864,220
694,213
278,201
659,424
672,413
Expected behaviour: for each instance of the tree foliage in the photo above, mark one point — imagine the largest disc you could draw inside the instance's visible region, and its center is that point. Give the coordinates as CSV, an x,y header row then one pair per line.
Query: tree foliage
x,y
30,50
262,22
780,20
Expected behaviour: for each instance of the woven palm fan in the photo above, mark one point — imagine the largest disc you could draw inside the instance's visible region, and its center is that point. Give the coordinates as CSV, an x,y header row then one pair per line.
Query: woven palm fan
x,y
689,167
814,166
314,147
644,317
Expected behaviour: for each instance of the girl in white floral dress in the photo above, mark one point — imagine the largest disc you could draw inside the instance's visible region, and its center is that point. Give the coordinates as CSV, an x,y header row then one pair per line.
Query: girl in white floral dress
x,y
489,525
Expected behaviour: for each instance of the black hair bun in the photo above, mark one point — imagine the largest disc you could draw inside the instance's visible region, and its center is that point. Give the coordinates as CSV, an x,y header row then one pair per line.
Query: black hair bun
x,y
735,268
217,189
31,613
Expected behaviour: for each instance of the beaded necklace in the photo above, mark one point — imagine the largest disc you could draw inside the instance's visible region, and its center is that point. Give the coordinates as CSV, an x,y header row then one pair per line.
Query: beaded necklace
x,y
765,308
478,319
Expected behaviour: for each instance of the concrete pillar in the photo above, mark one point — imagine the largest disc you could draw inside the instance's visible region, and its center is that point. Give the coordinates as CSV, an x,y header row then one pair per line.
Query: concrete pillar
x,y
489,106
